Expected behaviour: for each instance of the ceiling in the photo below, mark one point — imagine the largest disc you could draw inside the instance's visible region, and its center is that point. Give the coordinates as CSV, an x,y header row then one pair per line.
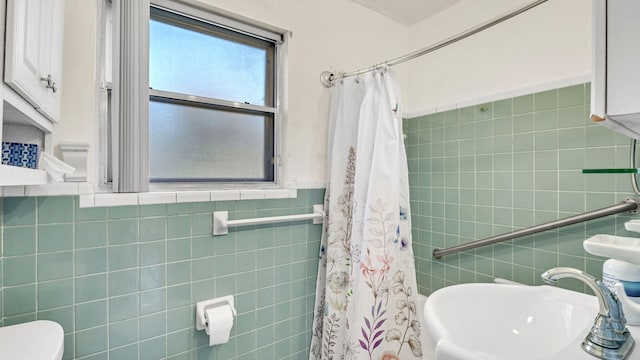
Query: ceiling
x,y
407,12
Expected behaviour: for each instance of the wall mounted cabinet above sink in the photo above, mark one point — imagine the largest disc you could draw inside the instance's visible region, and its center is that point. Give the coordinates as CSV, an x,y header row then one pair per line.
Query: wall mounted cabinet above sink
x,y
615,88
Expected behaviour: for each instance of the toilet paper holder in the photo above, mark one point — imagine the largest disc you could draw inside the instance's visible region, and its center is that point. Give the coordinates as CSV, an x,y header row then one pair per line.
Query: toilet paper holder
x,y
201,306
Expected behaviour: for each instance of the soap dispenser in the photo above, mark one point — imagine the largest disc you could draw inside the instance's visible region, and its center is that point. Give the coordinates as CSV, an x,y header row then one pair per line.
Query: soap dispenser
x,y
623,278
621,273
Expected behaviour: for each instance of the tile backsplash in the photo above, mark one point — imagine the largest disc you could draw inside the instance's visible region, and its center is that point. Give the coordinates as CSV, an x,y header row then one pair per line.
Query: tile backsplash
x,y
123,281
484,170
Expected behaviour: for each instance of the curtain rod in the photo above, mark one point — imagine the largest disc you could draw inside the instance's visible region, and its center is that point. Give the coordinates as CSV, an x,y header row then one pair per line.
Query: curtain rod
x,y
327,77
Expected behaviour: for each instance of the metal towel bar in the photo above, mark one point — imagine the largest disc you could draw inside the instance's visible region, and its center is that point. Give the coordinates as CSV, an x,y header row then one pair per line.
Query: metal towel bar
x,y
628,205
221,222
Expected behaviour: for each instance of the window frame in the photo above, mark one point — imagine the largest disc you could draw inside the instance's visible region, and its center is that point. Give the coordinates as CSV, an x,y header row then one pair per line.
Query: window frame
x,y
242,25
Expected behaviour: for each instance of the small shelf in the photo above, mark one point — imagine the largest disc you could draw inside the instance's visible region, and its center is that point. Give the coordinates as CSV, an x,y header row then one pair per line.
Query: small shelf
x,y
611,171
13,175
18,111
614,247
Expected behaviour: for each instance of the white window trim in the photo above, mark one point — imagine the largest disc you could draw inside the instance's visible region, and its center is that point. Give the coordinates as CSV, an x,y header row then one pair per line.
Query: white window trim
x,y
103,85
90,198
226,18
198,9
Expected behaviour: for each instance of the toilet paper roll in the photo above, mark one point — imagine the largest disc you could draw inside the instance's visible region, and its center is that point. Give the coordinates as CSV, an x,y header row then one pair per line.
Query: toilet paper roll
x,y
219,322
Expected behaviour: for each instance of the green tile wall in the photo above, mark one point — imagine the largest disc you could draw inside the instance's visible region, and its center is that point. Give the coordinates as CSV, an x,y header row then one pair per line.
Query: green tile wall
x,y
484,170
123,281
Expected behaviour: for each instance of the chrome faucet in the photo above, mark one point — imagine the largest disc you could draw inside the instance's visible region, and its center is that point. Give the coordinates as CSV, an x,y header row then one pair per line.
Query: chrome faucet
x,y
609,338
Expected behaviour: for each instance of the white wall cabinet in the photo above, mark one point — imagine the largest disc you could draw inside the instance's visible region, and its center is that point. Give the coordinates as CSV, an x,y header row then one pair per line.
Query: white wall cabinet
x,y
33,50
34,53
615,88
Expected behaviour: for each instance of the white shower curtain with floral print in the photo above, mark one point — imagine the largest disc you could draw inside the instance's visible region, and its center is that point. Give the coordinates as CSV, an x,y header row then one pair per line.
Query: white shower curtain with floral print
x,y
366,289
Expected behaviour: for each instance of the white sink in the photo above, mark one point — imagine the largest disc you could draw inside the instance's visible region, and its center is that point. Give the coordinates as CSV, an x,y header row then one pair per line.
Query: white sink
x,y
507,322
35,340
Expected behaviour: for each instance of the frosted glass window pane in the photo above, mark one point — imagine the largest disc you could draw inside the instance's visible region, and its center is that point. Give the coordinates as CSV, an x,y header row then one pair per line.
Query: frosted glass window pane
x,y
190,143
192,60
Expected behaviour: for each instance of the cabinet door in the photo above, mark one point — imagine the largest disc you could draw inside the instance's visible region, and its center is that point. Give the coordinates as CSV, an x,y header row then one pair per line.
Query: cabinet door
x,y
52,49
33,52
615,85
623,57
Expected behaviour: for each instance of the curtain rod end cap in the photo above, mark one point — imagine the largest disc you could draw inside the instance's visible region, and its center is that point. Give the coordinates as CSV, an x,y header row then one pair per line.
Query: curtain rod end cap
x,y
326,78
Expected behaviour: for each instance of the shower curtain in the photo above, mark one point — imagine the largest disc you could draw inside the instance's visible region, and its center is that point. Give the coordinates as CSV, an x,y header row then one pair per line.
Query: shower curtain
x,y
366,288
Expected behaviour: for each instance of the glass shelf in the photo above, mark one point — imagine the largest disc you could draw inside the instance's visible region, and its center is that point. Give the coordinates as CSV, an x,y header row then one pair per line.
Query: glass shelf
x,y
611,171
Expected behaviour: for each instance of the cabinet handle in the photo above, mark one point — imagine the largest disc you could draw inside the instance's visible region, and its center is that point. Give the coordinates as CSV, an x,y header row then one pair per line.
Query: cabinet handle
x,y
49,83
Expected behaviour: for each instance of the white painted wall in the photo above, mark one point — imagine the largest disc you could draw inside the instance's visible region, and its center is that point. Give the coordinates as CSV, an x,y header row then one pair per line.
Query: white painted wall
x,y
336,35
549,43
79,114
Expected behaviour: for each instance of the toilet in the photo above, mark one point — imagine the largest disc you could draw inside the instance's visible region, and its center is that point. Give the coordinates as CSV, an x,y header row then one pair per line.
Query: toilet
x,y
35,340
428,346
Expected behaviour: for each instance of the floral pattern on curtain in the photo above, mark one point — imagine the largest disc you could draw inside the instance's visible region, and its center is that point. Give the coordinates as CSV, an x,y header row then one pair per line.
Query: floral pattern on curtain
x,y
366,288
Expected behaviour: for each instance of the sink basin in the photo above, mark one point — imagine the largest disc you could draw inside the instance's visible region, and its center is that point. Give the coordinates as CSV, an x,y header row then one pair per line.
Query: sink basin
x,y
506,322
35,340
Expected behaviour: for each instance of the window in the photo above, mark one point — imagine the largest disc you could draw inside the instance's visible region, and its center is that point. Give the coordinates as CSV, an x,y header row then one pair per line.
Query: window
x,y
211,114
213,95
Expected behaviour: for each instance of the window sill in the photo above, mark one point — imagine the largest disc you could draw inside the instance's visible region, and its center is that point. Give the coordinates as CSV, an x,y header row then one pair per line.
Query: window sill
x,y
90,198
